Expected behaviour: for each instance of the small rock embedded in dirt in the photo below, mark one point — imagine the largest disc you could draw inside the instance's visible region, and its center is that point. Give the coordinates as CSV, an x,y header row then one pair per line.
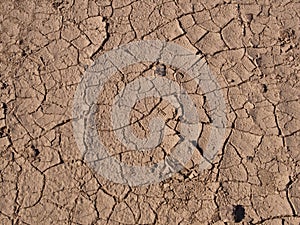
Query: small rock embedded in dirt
x,y
178,76
33,152
286,35
226,214
264,88
249,158
248,18
239,213
192,174
20,42
233,214
56,5
160,70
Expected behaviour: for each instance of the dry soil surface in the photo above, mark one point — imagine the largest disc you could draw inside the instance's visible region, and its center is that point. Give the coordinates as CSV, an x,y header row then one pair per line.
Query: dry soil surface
x,y
251,47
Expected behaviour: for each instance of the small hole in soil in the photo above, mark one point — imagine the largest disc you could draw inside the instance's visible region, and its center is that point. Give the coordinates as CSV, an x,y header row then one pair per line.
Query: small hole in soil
x,y
239,213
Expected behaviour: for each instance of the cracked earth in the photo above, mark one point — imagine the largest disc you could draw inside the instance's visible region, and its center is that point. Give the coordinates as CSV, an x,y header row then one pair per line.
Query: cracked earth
x,y
251,47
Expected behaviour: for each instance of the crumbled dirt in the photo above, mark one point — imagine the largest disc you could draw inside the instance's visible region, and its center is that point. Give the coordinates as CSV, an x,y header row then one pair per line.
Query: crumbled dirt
x,y
252,48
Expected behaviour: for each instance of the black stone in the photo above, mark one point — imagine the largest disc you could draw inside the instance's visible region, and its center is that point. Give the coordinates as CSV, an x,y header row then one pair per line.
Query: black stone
x,y
238,213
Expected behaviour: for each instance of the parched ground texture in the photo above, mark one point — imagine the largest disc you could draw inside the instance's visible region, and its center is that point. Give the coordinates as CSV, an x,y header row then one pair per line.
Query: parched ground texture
x,y
251,46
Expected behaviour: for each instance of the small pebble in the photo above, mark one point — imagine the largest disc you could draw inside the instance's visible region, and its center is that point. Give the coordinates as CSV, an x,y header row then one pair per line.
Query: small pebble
x,y
291,58
239,213
232,213
226,214
249,17
20,42
33,151
193,174
264,88
160,70
249,158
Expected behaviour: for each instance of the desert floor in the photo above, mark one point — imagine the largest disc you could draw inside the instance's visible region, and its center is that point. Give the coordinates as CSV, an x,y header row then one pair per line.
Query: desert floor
x,y
251,48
